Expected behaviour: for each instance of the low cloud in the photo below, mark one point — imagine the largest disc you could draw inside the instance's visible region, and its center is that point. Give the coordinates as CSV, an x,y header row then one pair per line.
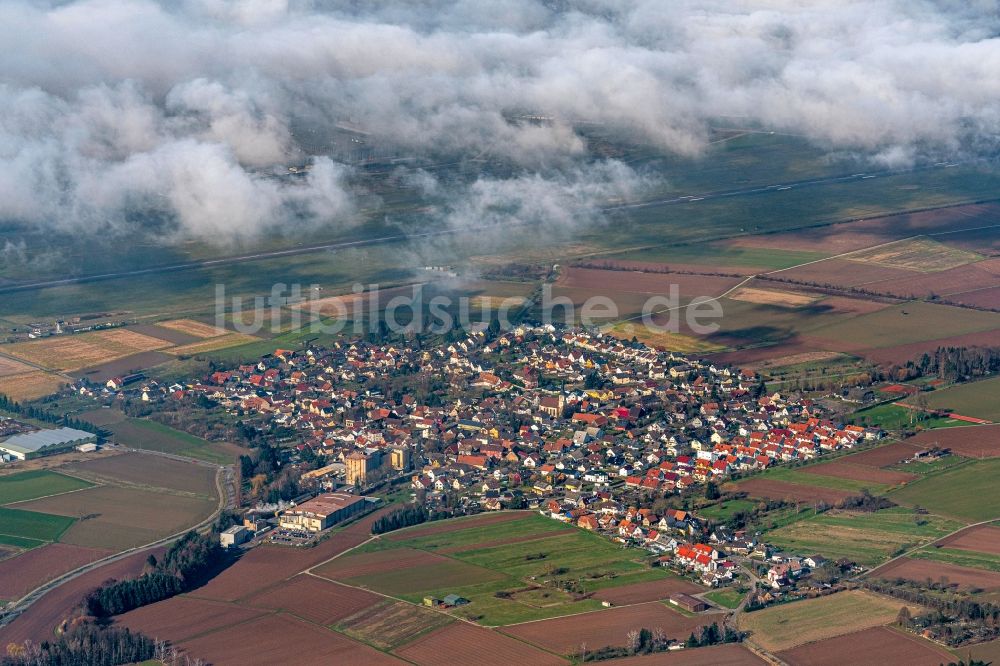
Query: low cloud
x,y
183,116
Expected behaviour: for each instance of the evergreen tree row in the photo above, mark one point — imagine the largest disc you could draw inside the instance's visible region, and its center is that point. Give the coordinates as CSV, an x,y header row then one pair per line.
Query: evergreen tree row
x,y
400,518
37,414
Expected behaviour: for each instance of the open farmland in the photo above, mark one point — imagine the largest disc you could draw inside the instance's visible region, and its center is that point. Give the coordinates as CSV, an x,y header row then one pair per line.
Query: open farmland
x,y
878,645
980,441
948,283
982,538
685,344
389,625
860,473
123,366
39,621
515,556
315,599
274,639
153,436
978,498
980,399
73,352
605,627
31,385
190,327
9,366
18,525
865,538
782,490
786,299
23,573
883,456
117,518
915,254
213,344
922,570
183,617
137,469
638,593
843,273
33,484
789,625
466,644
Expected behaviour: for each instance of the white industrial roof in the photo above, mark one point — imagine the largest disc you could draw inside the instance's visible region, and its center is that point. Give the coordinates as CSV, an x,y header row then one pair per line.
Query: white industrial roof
x,y
29,442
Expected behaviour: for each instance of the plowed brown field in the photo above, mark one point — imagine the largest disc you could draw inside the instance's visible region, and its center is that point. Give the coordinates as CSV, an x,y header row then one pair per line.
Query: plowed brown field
x,y
19,575
180,618
461,643
845,470
982,539
315,599
781,490
922,570
638,593
878,645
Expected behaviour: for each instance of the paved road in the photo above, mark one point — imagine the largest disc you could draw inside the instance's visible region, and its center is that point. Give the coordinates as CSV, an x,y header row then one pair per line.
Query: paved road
x,y
224,484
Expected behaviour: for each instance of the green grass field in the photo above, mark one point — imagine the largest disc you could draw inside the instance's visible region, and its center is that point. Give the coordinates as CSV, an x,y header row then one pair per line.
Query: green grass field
x,y
32,525
716,254
894,417
153,436
787,625
727,597
37,483
479,573
816,480
964,558
967,492
866,538
725,510
979,399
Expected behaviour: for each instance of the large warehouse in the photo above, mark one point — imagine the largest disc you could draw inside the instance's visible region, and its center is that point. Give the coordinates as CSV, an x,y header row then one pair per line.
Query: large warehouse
x,y
44,442
322,511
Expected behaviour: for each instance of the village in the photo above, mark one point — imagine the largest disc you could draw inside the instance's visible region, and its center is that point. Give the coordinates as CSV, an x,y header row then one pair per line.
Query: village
x,y
582,427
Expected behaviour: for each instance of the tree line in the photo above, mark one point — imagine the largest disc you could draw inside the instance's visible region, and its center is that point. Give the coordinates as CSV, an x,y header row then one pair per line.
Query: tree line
x,y
83,643
186,563
400,518
11,406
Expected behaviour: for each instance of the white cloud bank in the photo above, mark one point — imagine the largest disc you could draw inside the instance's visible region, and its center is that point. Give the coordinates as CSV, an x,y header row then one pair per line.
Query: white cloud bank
x,y
113,107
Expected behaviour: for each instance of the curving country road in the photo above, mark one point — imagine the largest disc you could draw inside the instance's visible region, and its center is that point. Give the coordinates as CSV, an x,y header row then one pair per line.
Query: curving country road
x,y
224,485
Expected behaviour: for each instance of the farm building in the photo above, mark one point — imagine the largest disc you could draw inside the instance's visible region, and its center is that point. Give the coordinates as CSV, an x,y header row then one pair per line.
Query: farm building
x,y
688,603
44,442
322,511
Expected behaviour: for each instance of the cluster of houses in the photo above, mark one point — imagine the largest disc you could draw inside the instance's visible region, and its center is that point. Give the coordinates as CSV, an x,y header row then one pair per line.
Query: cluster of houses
x,y
581,425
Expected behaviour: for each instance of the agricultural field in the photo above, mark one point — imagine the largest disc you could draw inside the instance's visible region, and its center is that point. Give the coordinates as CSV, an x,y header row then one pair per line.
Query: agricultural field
x,y
9,366
684,344
467,644
866,538
192,328
962,558
274,638
23,486
213,344
73,352
315,599
785,299
895,417
183,617
970,441
117,518
795,492
983,539
924,570
980,399
968,492
878,645
728,654
878,478
789,625
389,625
826,476
19,526
915,254
153,436
31,385
506,564
606,627
134,470
23,573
